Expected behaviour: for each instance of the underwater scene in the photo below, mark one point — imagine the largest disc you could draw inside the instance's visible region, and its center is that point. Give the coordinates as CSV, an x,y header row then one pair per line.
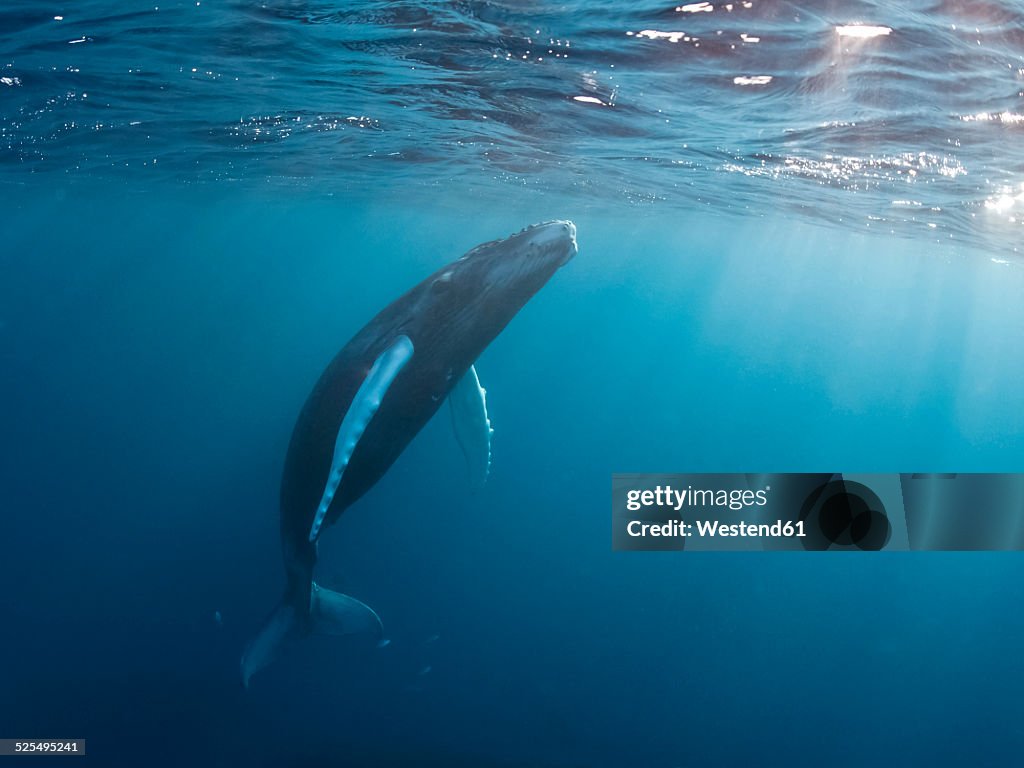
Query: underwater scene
x,y
324,327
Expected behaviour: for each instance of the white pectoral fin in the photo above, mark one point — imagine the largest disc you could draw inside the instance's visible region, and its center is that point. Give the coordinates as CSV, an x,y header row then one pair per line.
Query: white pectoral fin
x,y
468,402
360,411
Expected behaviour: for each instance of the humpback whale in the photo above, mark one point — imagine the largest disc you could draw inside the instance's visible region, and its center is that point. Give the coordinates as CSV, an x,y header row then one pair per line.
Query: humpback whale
x,y
376,394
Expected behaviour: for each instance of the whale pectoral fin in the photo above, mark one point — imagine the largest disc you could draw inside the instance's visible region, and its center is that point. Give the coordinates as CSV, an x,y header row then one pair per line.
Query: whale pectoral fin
x,y
336,614
468,403
276,634
360,411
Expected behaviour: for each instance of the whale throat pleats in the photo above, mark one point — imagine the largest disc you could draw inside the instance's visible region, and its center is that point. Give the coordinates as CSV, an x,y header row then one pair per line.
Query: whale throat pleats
x,y
362,408
468,403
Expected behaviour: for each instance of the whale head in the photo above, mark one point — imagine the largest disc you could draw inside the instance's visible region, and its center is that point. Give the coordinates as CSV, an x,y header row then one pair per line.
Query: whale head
x,y
471,300
532,254
486,287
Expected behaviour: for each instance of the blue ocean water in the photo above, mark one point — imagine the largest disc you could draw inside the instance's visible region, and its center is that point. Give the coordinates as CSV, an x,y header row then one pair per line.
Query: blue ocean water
x,y
799,228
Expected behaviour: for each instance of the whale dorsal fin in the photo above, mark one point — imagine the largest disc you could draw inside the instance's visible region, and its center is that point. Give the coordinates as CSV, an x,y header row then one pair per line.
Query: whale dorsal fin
x,y
468,403
360,411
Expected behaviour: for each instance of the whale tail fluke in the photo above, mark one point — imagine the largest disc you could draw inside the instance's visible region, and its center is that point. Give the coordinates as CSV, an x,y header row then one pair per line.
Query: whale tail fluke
x,y
336,614
330,613
278,632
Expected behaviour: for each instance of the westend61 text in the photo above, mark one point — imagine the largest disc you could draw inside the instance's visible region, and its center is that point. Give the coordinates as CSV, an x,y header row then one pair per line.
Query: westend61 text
x,y
779,529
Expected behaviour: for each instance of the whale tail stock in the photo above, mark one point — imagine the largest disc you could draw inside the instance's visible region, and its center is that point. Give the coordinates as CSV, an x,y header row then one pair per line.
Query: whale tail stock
x,y
328,613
